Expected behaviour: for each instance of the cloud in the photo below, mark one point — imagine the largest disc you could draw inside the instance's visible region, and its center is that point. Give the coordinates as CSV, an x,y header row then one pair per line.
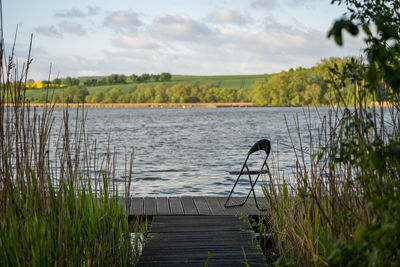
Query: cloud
x,y
50,31
38,50
305,3
93,10
226,16
72,13
266,4
121,21
271,25
177,27
88,73
134,42
72,28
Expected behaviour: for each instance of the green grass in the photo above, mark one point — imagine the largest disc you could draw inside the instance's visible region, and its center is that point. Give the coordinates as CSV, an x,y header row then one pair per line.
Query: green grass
x,y
66,226
225,81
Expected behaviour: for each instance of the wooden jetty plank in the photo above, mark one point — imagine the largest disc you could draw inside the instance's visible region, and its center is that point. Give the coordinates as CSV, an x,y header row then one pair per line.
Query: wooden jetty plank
x,y
198,224
215,206
136,206
189,208
175,206
163,206
202,206
168,245
262,202
150,206
247,208
228,211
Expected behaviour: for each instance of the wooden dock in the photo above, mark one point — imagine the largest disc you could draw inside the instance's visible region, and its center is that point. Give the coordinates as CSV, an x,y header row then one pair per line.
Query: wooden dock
x,y
197,240
192,231
191,206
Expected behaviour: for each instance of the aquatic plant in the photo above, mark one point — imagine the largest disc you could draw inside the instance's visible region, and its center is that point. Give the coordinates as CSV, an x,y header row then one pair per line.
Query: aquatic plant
x,y
54,210
343,207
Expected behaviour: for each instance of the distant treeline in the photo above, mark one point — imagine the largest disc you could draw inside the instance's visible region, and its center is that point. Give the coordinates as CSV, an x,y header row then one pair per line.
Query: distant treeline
x,y
179,93
119,79
296,87
306,86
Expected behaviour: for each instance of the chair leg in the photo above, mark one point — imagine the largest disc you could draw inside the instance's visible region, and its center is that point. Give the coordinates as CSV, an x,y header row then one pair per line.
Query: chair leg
x,y
248,195
254,195
230,194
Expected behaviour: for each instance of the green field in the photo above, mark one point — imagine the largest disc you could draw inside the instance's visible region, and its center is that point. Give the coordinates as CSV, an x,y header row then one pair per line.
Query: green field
x,y
223,81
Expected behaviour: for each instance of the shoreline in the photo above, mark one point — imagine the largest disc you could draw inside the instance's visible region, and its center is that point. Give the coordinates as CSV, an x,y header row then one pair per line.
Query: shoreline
x,y
143,105
171,105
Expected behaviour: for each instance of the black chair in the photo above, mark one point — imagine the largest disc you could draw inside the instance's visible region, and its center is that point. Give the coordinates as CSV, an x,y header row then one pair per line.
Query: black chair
x,y
264,145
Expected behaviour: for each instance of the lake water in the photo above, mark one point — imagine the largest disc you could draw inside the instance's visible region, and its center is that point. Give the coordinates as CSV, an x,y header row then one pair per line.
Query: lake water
x,y
189,151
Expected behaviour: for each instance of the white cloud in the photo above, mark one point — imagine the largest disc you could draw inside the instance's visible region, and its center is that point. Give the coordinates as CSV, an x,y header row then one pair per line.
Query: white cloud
x,y
36,50
134,42
93,10
72,13
50,31
88,73
178,27
72,28
226,16
123,21
266,4
183,45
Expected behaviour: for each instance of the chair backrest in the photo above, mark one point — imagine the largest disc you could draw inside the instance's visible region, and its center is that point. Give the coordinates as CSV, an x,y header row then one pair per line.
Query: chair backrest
x,y
262,144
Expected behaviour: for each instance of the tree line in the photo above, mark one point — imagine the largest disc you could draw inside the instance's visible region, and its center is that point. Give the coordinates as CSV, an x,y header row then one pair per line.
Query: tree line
x,y
179,93
110,79
306,86
295,87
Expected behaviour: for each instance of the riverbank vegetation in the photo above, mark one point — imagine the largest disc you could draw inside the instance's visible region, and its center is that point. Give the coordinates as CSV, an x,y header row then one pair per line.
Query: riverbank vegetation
x,y
296,87
59,202
341,205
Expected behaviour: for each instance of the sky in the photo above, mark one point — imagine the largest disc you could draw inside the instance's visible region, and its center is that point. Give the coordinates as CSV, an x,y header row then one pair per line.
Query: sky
x,y
192,37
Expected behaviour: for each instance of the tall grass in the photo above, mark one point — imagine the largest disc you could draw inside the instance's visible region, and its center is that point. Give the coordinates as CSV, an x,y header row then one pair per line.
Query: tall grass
x,y
53,209
341,205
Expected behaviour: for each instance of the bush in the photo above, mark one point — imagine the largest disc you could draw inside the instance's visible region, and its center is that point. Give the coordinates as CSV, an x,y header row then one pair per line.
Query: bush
x,y
191,99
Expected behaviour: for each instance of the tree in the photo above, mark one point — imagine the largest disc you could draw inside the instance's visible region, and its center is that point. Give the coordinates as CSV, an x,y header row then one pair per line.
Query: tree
x,y
74,94
90,82
133,77
98,97
71,81
57,81
145,77
67,81
112,95
165,76
160,94
154,77
376,157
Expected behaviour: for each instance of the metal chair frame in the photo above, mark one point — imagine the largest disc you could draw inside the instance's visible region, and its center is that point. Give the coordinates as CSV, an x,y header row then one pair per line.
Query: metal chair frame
x,y
264,145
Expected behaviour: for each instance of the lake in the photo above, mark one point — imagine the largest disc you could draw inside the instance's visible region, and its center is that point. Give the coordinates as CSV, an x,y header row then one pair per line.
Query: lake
x,y
189,151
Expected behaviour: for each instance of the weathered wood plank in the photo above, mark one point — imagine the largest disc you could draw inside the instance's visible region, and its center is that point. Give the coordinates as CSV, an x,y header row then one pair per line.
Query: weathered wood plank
x,y
231,210
168,245
215,206
202,206
188,206
262,202
150,206
193,206
163,206
175,206
136,206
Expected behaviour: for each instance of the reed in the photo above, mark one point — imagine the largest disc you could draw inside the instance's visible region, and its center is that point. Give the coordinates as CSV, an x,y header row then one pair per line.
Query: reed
x,y
340,204
59,202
